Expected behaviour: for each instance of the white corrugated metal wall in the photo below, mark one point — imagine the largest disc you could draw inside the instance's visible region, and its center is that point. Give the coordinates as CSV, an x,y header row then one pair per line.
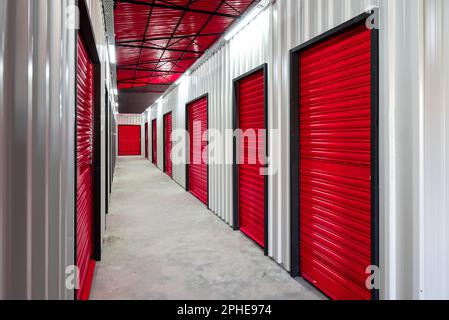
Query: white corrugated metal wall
x,y
158,114
37,109
129,119
37,119
414,126
434,213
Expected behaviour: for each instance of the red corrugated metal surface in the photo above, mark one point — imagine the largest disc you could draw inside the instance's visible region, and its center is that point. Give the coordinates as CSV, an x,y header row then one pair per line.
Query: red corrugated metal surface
x,y
146,140
197,174
84,200
251,183
154,141
335,164
168,165
129,143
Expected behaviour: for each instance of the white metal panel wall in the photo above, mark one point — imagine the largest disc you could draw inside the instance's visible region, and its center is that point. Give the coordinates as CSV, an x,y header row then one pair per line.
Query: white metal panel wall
x,y
434,278
158,114
37,102
414,127
37,183
129,119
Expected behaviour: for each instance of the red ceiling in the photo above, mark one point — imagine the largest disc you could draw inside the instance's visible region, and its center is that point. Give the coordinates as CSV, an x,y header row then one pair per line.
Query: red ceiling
x,y
158,40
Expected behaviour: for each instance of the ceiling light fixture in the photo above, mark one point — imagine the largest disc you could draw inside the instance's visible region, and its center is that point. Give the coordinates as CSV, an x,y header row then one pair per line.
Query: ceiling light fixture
x,y
177,82
112,55
247,19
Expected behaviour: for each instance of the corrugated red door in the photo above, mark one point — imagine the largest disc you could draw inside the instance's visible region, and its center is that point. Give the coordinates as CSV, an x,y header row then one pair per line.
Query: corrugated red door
x,y
251,183
197,168
154,141
146,140
168,165
335,164
129,143
84,199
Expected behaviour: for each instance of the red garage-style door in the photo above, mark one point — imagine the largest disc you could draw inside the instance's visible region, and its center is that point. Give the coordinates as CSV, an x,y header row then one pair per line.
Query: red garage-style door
x,y
251,181
335,163
154,141
129,143
84,199
168,165
197,169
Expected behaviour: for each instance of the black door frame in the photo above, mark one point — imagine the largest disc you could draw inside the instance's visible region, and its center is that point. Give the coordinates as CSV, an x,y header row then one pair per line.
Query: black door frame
x,y
235,166
164,169
204,96
295,141
106,154
111,149
86,32
153,127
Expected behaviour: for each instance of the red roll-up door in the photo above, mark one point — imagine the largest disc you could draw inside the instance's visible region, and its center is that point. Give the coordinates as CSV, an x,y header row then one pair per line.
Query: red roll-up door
x,y
335,164
146,140
84,199
197,168
129,143
251,183
168,165
154,141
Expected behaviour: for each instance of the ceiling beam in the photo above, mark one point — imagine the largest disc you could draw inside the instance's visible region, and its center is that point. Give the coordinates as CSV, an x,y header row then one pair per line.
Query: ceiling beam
x,y
148,70
192,41
169,38
131,80
158,48
180,8
156,61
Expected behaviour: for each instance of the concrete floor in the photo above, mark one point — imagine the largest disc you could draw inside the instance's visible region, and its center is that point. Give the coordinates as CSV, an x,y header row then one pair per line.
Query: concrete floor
x,y
162,243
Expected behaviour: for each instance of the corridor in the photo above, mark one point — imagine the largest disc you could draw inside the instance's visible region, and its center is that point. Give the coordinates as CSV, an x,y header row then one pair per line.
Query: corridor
x,y
162,243
317,129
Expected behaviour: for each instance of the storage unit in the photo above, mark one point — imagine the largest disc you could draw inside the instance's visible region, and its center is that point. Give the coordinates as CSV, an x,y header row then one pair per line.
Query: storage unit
x,y
250,182
84,169
197,167
168,165
129,140
335,134
154,141
146,140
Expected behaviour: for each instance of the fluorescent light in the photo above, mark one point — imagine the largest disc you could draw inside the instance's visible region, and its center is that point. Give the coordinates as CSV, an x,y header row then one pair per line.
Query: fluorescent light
x,y
112,54
179,80
264,3
247,19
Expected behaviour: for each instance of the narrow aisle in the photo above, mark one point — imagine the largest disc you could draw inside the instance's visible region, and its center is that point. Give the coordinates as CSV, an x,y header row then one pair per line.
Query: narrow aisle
x,y
162,243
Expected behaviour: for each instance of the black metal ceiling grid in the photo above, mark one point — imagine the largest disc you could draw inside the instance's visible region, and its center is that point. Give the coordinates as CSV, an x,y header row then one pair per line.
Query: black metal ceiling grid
x,y
193,45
